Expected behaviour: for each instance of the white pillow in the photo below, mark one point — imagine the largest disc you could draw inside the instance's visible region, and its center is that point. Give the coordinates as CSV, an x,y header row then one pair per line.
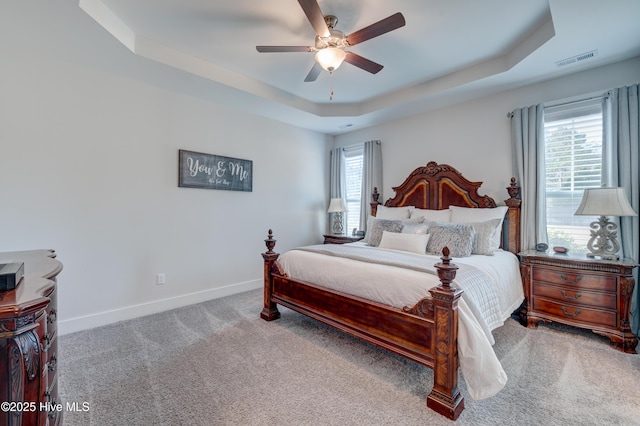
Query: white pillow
x,y
413,220
414,243
470,214
415,228
431,215
393,213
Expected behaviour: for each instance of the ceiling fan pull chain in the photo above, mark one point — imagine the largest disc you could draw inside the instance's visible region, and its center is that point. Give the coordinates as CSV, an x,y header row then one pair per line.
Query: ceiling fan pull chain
x,y
331,93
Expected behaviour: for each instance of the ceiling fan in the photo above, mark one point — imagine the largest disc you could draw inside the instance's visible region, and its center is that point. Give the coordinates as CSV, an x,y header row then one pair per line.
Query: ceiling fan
x,y
331,44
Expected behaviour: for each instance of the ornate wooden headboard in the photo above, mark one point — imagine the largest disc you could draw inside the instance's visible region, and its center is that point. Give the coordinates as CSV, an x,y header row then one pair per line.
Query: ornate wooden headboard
x,y
438,186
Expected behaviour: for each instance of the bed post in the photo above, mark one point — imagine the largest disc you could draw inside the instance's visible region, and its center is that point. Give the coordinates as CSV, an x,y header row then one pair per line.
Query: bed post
x,y
270,311
513,217
374,204
445,397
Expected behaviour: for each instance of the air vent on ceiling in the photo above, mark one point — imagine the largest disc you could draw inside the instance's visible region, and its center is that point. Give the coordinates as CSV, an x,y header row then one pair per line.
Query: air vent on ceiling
x,y
577,58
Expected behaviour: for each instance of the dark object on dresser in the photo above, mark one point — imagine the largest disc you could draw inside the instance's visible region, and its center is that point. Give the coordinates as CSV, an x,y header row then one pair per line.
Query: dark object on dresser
x,y
28,342
581,292
10,275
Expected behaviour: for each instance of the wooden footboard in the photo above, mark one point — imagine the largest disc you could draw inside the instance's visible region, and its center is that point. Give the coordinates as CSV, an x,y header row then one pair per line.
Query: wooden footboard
x,y
426,333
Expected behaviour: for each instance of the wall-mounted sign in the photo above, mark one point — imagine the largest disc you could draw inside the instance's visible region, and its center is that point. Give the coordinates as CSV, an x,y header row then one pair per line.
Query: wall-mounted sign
x,y
198,170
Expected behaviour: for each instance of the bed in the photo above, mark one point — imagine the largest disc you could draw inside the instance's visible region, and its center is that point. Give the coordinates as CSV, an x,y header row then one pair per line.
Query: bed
x,y
427,330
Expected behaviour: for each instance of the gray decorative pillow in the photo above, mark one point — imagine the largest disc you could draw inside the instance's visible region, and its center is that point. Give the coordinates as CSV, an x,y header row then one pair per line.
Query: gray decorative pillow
x,y
405,222
485,232
458,237
380,225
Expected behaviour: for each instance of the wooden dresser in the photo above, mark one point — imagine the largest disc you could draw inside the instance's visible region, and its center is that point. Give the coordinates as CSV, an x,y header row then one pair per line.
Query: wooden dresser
x,y
28,343
581,292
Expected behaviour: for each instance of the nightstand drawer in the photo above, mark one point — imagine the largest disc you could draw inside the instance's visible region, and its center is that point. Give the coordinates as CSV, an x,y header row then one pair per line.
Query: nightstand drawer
x,y
592,317
576,278
576,296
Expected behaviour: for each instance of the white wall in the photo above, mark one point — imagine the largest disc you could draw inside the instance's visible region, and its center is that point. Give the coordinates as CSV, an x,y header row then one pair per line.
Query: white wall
x,y
89,166
475,136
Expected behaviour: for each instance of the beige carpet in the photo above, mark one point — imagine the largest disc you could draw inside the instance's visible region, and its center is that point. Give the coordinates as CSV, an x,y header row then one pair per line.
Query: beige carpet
x,y
218,363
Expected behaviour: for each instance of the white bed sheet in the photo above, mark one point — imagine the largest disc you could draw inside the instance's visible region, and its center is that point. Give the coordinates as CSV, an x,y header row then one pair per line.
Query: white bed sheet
x,y
399,287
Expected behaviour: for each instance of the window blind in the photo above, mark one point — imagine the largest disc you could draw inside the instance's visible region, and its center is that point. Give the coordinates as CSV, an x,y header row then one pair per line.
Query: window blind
x,y
573,160
353,157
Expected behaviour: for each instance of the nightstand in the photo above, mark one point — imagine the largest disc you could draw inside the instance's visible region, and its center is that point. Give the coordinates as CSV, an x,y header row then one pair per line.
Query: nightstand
x,y
340,239
581,292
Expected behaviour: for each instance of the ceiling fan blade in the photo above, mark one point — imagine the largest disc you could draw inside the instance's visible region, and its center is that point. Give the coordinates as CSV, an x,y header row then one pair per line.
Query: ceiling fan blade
x,y
272,49
389,23
314,73
363,63
315,17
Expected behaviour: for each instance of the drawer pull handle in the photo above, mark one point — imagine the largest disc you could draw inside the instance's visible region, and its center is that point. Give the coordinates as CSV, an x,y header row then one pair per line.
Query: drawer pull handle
x,y
46,340
576,280
51,318
52,413
569,297
53,362
569,314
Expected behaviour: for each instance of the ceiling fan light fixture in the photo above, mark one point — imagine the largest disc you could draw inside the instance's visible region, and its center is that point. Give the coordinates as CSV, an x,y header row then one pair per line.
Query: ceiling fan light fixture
x,y
330,58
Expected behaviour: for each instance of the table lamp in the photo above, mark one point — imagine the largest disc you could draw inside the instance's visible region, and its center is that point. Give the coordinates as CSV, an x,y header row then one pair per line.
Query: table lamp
x,y
604,202
336,206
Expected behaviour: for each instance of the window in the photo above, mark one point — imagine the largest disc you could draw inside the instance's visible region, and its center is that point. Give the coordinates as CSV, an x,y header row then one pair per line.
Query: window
x,y
353,176
573,162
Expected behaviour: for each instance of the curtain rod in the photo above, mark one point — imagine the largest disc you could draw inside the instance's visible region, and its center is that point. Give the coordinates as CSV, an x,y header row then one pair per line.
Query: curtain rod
x,y
377,141
604,96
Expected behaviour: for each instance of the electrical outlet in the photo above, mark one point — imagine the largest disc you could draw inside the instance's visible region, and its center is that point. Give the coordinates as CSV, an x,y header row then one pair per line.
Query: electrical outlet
x,y
160,279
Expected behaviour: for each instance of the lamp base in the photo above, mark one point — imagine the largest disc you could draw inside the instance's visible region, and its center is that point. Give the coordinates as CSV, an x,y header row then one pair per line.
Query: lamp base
x,y
603,242
338,228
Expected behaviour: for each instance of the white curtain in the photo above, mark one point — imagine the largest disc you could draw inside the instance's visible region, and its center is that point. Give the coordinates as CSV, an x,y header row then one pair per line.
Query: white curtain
x,y
371,178
527,135
336,178
337,183
621,169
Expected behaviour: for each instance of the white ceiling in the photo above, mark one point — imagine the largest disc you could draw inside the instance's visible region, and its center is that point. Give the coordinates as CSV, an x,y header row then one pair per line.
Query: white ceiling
x,y
448,51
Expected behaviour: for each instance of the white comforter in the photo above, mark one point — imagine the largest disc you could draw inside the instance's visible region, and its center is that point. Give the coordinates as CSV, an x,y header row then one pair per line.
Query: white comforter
x,y
481,309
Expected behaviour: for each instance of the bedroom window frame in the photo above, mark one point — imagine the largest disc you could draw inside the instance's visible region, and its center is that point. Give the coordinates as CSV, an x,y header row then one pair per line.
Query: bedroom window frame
x,y
353,159
575,143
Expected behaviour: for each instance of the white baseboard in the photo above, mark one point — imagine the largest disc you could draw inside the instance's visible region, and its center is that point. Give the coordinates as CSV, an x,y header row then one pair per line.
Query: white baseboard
x,y
108,317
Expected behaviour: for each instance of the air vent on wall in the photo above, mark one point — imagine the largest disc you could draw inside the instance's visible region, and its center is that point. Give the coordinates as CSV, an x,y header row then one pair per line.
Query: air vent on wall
x,y
577,58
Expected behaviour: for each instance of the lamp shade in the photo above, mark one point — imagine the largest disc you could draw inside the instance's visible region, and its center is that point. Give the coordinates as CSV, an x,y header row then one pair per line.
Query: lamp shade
x,y
337,206
330,58
605,202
